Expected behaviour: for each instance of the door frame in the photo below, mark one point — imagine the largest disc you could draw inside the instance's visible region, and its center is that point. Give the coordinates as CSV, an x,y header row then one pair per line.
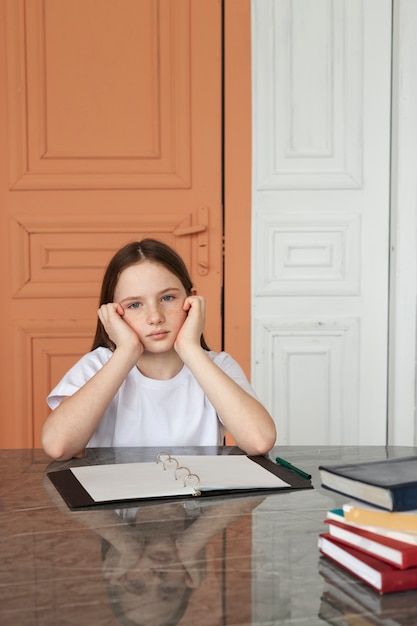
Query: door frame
x,y
237,180
403,248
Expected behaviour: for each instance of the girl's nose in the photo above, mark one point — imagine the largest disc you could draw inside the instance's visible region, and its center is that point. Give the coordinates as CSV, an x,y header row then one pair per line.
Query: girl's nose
x,y
155,315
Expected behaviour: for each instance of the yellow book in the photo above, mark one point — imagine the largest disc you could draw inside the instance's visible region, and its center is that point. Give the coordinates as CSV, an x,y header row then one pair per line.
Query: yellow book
x,y
359,513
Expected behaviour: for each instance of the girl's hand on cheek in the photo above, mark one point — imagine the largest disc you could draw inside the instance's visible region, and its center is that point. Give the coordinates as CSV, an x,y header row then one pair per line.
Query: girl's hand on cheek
x,y
111,316
121,558
192,329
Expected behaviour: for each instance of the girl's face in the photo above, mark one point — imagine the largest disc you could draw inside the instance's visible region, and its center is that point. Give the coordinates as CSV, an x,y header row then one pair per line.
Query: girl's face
x,y
152,591
152,298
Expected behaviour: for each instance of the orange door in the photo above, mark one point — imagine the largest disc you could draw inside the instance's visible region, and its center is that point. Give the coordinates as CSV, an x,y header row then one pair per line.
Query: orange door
x,y
110,130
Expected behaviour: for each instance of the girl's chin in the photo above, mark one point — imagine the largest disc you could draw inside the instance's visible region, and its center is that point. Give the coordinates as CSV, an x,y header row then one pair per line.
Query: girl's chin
x,y
159,347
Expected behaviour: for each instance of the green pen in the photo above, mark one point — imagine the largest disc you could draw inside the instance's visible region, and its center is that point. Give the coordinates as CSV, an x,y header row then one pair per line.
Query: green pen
x,y
292,467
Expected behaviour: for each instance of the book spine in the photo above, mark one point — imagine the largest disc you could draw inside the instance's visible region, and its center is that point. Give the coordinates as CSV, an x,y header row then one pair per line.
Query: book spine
x,y
397,521
404,498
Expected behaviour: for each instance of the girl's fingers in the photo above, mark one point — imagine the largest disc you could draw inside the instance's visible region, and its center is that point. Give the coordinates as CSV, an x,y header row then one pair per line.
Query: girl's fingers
x,y
111,316
106,310
191,330
198,302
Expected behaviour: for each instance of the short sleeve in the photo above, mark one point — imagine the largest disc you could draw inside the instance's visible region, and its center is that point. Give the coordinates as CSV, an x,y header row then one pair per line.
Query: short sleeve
x,y
78,375
232,368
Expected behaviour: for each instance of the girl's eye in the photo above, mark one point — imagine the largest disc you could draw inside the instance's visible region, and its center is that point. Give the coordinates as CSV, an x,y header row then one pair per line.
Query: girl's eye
x,y
167,298
134,305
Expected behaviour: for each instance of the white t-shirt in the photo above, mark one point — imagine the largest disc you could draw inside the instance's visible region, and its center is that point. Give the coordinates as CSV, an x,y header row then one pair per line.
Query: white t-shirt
x,y
149,412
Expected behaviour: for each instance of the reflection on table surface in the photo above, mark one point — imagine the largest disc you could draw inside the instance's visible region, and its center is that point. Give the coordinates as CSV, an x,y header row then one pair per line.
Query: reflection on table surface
x,y
213,561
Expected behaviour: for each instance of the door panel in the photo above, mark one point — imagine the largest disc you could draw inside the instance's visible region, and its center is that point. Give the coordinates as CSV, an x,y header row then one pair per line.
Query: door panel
x,y
97,110
110,131
322,216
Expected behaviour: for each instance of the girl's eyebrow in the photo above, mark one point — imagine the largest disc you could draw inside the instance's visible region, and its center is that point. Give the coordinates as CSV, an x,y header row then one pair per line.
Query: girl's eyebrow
x,y
161,293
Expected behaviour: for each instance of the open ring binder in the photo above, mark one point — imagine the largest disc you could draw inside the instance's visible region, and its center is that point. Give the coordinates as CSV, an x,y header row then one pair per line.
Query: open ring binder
x,y
189,475
211,475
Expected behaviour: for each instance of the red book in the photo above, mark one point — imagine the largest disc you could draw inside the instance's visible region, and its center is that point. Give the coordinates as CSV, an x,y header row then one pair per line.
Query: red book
x,y
398,553
379,575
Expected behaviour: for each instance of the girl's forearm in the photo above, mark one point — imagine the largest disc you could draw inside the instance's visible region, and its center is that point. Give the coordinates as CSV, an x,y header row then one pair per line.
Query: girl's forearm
x,y
248,422
71,425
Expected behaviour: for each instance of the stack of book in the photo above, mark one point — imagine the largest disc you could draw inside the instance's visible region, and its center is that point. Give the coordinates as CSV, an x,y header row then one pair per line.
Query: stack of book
x,y
374,536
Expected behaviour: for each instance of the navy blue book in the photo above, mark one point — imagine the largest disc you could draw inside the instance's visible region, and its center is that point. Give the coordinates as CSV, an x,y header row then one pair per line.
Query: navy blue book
x,y
390,484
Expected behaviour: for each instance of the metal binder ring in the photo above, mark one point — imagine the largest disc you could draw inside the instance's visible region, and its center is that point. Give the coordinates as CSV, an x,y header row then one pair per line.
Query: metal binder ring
x,y
158,456
166,462
190,476
178,469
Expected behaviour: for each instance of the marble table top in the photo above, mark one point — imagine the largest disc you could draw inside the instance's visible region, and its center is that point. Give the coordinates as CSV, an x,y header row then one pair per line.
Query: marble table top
x,y
219,562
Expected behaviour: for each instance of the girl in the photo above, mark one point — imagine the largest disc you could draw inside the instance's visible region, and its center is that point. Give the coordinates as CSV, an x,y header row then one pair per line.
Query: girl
x,y
150,379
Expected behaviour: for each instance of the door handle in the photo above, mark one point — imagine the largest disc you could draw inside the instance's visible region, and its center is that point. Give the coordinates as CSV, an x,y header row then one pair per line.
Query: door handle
x,y
190,230
201,230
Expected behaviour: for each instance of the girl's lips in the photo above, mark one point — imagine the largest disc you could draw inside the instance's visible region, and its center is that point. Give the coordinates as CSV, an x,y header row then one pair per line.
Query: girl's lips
x,y
161,334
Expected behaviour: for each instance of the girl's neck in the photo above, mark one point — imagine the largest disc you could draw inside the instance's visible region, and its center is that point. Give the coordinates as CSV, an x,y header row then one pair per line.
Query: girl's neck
x,y
160,366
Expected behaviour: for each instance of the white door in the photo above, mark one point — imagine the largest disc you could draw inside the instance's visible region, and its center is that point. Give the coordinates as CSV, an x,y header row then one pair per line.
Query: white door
x,y
321,200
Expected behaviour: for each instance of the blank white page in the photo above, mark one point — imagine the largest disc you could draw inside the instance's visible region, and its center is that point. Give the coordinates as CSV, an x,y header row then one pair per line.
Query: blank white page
x,y
127,481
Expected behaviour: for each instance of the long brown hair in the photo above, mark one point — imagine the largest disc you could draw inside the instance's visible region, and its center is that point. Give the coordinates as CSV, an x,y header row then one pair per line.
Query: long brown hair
x,y
130,254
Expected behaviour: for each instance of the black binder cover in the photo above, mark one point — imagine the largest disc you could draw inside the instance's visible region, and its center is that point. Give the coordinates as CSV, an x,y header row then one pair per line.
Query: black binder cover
x,y
77,497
